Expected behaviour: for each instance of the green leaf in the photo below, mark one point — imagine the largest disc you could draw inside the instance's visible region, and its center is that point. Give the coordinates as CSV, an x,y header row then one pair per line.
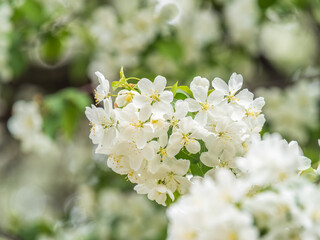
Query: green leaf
x,y
180,95
210,91
122,73
115,85
186,89
174,89
199,169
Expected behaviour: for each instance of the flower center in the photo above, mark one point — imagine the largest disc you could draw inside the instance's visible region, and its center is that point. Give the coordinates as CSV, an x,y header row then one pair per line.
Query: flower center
x,y
138,124
205,106
155,96
129,97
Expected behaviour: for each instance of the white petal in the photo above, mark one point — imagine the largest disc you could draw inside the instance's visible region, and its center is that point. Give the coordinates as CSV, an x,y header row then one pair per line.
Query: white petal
x,y
148,152
193,146
194,105
235,83
238,112
182,109
220,85
258,103
166,96
173,149
163,139
200,94
187,124
201,118
245,97
215,98
145,86
180,166
304,163
209,159
199,82
140,139
145,112
160,83
154,164
135,162
162,107
140,100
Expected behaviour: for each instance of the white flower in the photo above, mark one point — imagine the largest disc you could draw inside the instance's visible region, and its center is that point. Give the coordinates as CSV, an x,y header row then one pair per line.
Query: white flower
x,y
185,136
133,124
154,94
241,17
125,97
272,160
26,119
181,110
244,97
103,121
203,104
223,143
170,10
207,212
168,179
126,154
286,110
102,90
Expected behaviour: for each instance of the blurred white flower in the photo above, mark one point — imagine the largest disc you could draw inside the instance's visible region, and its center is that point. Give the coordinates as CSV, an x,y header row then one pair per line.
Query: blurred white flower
x,y
281,43
273,160
286,110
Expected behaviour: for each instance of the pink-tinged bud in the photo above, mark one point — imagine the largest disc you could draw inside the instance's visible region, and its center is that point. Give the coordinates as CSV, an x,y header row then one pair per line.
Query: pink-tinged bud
x,y
115,105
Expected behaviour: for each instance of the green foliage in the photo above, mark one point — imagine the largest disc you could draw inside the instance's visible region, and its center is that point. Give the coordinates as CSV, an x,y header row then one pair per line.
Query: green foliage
x,y
169,48
17,59
174,89
180,95
32,12
63,110
186,89
266,3
52,47
199,169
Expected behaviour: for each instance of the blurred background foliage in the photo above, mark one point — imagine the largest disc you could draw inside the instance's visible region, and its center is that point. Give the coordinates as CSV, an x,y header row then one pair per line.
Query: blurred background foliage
x,y
52,185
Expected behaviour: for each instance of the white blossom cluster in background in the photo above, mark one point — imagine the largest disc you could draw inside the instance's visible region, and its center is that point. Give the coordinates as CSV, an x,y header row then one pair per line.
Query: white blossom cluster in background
x,y
242,22
26,125
294,111
5,29
156,136
103,216
278,38
269,200
128,29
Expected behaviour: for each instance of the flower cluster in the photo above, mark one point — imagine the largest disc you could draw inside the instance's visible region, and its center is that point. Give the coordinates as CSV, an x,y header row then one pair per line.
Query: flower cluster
x,y
286,110
128,29
266,202
156,136
102,216
26,125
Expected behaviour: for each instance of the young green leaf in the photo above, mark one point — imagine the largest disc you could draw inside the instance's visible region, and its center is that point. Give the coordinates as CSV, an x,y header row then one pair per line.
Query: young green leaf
x,y
174,89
